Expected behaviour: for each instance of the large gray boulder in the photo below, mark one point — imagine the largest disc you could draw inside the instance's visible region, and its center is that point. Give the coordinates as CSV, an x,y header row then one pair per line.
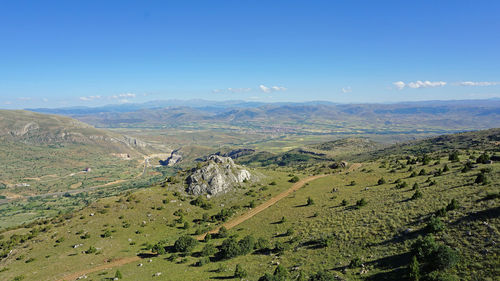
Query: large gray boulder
x,y
218,175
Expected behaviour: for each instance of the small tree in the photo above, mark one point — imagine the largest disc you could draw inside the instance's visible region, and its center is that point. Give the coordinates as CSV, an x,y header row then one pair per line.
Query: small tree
x,y
222,233
483,159
453,157
240,272
416,195
435,225
118,275
381,181
208,250
294,179
453,205
481,179
446,168
310,201
262,244
280,273
414,269
185,244
362,202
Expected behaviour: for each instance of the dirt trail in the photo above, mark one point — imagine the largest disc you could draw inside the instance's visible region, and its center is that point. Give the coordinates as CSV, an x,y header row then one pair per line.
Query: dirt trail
x,y
108,265
230,224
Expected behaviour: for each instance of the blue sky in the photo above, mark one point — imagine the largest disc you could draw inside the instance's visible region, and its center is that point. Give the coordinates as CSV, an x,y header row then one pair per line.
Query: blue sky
x,y
66,53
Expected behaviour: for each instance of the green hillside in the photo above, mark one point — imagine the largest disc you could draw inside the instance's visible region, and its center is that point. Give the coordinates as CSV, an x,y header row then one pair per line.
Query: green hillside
x,y
403,213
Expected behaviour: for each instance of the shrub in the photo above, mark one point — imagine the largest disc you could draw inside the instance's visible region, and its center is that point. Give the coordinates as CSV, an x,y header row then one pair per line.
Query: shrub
x,y
185,244
444,257
272,183
202,203
467,167
280,247
355,262
415,186
435,225
453,156
362,202
240,272
453,205
422,172
118,275
310,201
294,179
246,245
222,233
344,202
280,273
481,179
322,276
229,248
416,195
445,168
91,250
423,247
106,234
414,269
208,250
203,261
381,181
413,174
483,159
262,244
159,248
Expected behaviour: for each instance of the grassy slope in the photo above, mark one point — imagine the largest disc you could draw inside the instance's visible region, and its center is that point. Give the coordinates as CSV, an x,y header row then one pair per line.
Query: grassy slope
x,y
374,232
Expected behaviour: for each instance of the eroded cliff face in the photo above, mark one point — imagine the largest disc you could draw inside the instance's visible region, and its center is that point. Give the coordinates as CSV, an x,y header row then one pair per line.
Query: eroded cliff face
x,y
218,175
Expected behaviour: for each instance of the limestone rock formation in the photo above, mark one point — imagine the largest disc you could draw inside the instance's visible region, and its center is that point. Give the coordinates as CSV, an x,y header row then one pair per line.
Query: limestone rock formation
x,y
218,175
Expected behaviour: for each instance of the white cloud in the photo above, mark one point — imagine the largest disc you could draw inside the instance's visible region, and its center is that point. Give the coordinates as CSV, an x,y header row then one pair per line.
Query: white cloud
x,y
90,98
399,84
239,90
45,99
419,84
24,99
346,89
266,89
483,83
123,96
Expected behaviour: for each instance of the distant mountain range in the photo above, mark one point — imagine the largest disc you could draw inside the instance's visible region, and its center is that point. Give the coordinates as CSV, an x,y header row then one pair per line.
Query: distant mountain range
x,y
435,117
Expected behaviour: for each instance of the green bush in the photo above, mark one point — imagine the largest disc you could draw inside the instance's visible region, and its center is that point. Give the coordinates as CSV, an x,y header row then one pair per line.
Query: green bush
x,y
416,195
435,225
361,202
240,272
414,269
294,179
381,181
185,244
208,250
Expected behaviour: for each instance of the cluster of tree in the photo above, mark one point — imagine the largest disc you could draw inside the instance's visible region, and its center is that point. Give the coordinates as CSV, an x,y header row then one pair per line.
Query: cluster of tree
x,y
430,259
17,239
202,203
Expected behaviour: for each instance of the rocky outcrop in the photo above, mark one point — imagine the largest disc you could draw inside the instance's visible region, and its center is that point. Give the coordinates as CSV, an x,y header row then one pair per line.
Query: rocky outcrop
x,y
174,158
218,175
